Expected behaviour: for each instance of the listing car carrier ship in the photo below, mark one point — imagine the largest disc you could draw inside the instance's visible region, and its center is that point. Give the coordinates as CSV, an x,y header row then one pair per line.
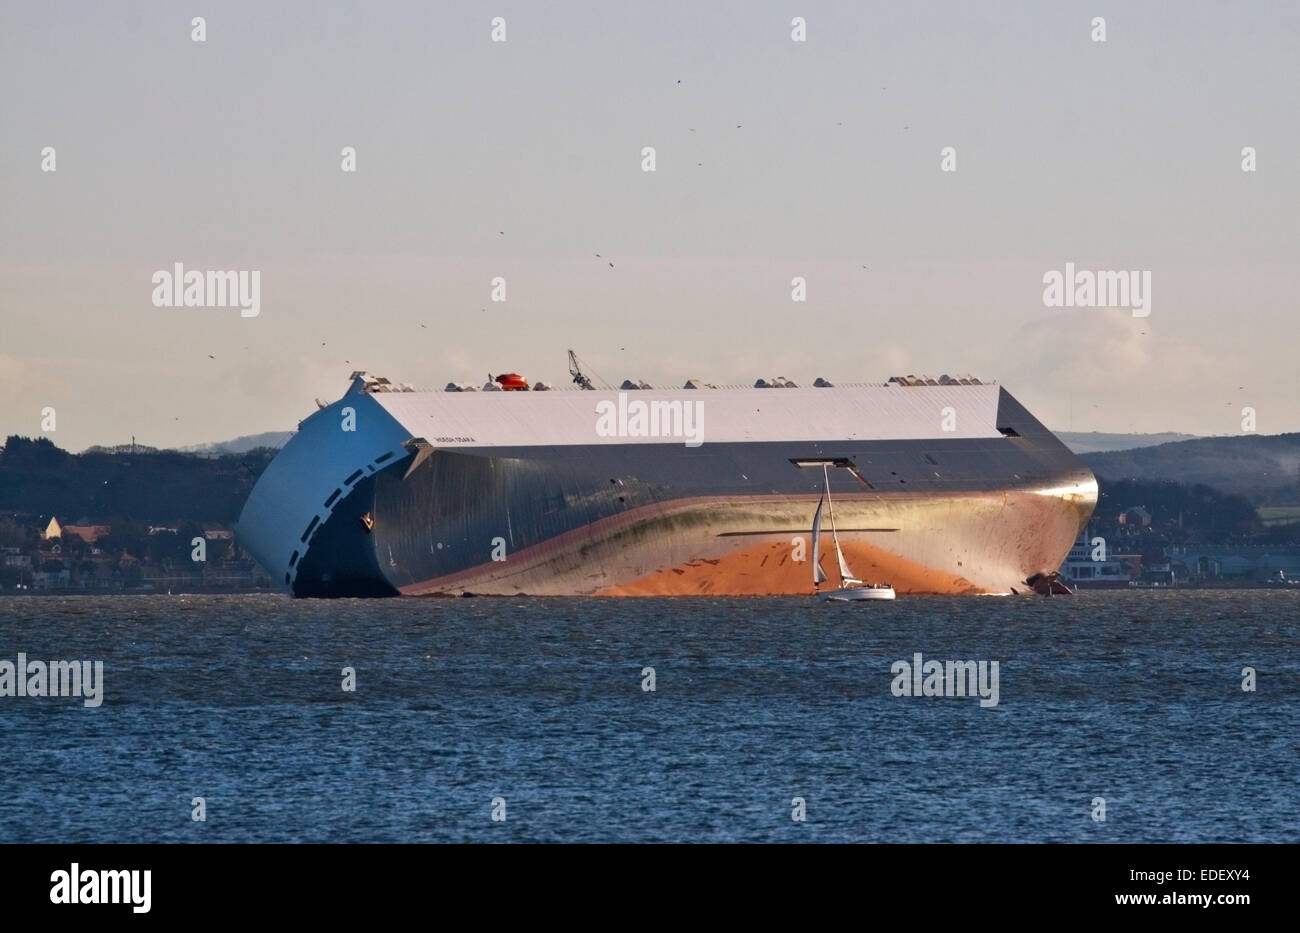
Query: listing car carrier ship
x,y
942,486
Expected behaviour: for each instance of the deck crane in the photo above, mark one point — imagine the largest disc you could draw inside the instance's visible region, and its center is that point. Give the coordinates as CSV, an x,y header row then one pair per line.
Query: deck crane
x,y
576,372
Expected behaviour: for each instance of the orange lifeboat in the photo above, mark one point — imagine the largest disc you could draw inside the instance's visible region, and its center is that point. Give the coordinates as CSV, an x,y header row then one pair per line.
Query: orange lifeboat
x,y
512,382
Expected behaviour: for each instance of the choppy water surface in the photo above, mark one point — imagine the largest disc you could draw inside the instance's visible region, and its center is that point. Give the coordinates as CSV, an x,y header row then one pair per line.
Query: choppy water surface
x,y
1134,697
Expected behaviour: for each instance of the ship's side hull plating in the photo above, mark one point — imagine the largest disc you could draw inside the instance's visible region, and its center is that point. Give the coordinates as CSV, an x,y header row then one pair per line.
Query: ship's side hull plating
x,y
964,514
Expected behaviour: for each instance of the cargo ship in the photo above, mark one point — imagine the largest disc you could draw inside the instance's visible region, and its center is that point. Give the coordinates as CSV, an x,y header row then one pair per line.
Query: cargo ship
x,y
942,486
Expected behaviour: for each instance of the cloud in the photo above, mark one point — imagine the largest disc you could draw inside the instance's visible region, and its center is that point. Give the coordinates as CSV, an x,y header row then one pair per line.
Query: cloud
x,y
1107,369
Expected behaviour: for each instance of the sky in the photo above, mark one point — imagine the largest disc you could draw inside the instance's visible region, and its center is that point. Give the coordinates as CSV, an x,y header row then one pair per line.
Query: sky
x,y
523,159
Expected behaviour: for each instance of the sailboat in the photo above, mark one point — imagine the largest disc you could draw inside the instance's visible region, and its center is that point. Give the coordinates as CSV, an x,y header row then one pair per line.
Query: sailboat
x,y
851,588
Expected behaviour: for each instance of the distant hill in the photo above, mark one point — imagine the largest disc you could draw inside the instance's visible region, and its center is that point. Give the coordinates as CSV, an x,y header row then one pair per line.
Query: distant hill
x,y
1264,469
1087,442
242,444
158,487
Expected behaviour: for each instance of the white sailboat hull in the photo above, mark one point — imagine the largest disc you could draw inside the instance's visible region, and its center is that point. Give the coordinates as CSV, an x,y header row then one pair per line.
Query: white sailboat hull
x,y
855,593
851,588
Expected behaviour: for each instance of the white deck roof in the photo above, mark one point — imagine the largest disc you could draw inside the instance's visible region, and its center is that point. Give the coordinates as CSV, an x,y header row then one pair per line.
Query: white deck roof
x,y
525,419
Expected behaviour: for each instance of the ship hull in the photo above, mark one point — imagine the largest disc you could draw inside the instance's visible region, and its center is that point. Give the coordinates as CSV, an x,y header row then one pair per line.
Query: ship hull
x,y
964,543
381,516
